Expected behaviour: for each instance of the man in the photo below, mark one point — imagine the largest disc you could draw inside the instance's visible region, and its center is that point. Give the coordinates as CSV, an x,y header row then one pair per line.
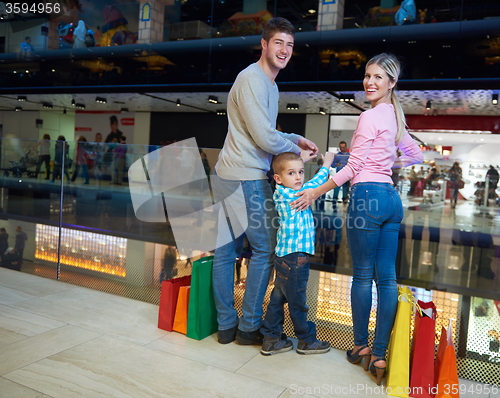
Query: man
x,y
26,46
21,239
115,133
251,142
340,160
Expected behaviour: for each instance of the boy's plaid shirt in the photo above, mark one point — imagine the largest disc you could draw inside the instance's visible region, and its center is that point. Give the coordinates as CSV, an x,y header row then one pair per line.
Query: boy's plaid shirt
x,y
296,231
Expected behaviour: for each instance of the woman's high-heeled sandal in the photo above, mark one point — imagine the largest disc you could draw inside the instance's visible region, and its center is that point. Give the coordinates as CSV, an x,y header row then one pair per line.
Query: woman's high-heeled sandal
x,y
377,371
355,357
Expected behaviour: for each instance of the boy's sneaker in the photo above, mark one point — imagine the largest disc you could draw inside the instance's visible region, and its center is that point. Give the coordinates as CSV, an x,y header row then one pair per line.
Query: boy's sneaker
x,y
275,346
316,347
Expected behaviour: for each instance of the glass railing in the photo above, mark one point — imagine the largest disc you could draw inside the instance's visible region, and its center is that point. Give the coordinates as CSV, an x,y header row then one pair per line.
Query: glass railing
x,y
116,217
118,56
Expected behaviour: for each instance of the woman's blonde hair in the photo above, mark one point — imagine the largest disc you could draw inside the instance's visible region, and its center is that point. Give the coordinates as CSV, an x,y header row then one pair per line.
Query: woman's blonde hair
x,y
391,65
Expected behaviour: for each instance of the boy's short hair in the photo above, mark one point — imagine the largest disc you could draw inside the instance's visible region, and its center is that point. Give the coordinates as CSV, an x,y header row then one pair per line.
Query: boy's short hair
x,y
280,161
277,25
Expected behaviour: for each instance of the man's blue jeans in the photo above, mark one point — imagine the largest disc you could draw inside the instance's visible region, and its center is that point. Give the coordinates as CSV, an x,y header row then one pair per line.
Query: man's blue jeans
x,y
373,218
290,285
261,234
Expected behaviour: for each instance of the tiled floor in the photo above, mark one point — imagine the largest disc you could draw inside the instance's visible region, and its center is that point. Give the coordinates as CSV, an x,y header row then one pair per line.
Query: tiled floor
x,y
64,341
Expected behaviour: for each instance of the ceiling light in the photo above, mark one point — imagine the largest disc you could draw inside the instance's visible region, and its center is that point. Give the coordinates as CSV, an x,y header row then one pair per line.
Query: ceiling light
x,y
322,111
19,109
494,99
311,11
213,99
346,98
123,110
47,105
292,107
80,106
221,112
178,102
73,102
100,100
22,98
428,105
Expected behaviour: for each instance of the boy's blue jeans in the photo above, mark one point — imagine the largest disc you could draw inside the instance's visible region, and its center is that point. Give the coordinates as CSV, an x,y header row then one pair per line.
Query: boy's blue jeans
x,y
373,218
290,285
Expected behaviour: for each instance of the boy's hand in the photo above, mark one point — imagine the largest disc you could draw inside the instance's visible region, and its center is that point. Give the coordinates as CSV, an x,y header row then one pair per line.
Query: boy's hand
x,y
328,159
307,155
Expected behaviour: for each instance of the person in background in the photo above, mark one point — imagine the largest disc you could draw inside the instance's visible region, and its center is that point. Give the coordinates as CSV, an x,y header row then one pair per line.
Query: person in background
x,y
4,242
454,177
62,149
376,208
120,155
79,35
244,160
341,159
44,155
413,180
21,239
115,133
320,203
81,159
26,46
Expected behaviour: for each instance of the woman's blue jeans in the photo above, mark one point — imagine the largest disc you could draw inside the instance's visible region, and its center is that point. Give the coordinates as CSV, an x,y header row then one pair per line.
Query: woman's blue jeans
x,y
261,234
373,217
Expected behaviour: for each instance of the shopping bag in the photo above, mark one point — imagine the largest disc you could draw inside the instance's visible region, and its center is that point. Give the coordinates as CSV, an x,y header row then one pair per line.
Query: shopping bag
x,y
181,310
422,351
168,301
202,315
398,360
446,366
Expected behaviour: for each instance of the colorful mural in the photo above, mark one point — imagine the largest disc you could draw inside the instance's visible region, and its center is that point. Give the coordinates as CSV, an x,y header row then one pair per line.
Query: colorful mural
x,y
112,22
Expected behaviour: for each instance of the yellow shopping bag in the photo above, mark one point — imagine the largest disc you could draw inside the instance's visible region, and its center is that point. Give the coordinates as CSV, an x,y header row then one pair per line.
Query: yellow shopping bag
x,y
398,361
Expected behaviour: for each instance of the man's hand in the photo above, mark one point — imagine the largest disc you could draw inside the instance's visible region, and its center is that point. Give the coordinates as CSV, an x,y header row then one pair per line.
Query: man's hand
x,y
307,145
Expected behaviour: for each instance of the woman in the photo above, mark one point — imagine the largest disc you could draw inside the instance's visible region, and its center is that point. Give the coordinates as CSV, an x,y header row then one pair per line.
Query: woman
x,y
454,176
81,159
44,155
375,210
62,150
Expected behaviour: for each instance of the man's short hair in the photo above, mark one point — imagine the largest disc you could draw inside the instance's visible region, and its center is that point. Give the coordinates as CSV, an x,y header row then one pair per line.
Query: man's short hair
x,y
342,142
27,37
280,161
277,25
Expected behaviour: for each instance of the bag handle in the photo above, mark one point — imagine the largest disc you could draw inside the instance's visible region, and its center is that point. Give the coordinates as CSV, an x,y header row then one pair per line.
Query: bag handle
x,y
409,298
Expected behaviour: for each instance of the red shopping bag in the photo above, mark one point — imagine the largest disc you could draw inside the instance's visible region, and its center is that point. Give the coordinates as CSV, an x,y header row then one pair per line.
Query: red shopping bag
x,y
168,301
446,366
422,352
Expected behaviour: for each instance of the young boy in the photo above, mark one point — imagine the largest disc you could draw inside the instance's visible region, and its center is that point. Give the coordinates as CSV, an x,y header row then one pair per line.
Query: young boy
x,y
295,242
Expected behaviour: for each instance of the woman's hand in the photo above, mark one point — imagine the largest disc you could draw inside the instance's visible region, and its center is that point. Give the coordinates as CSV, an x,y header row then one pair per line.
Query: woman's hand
x,y
305,199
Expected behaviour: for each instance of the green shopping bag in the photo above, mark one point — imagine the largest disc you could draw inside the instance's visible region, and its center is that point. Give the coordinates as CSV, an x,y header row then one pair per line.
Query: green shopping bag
x,y
202,314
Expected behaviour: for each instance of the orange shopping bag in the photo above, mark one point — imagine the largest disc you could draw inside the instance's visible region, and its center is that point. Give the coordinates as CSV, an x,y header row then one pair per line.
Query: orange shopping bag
x,y
181,311
446,366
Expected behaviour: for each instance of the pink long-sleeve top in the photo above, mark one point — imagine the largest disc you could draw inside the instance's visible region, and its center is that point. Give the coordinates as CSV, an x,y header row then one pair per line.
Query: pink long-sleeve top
x,y
373,148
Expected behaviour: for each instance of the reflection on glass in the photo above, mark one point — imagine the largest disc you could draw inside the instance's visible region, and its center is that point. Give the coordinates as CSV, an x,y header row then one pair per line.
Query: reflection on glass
x,y
87,250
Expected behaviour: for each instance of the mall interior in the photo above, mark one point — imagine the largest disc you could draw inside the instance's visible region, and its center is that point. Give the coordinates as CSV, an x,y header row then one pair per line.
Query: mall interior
x,y
80,318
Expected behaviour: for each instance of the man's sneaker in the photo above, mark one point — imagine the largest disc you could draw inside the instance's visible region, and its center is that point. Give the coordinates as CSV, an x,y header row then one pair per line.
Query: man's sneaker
x,y
275,346
316,347
226,336
249,338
